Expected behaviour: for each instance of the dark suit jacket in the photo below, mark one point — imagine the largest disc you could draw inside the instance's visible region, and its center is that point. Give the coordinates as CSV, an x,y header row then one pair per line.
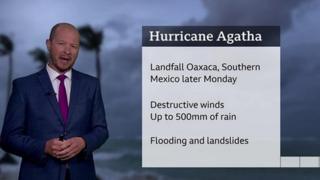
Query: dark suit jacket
x,y
33,117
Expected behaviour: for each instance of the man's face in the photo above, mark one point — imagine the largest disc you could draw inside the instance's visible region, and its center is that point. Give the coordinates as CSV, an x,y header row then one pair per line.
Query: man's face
x,y
63,48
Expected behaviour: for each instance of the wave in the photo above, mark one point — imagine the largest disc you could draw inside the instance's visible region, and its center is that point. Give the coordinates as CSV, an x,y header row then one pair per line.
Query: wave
x,y
107,174
107,156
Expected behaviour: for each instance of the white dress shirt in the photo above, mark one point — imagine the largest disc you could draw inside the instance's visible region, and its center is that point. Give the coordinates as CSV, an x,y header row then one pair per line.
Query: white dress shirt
x,y
56,82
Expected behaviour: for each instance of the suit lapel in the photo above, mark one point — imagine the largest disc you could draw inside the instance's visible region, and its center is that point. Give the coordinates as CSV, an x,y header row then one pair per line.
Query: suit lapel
x,y
49,92
74,94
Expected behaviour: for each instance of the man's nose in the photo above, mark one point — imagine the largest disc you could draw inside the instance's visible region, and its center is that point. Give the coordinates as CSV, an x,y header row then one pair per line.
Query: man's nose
x,y
67,50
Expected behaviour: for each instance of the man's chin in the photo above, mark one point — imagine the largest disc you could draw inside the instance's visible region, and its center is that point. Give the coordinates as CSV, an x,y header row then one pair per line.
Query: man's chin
x,y
64,69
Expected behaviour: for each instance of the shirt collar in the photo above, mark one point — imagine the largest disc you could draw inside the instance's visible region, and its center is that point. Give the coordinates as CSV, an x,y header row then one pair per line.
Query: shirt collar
x,y
54,74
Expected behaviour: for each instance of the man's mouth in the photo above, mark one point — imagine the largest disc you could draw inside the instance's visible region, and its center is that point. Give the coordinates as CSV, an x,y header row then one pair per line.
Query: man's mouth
x,y
65,58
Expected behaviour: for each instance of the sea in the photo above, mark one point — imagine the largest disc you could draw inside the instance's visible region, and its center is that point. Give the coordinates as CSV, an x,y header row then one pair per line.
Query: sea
x,y
120,159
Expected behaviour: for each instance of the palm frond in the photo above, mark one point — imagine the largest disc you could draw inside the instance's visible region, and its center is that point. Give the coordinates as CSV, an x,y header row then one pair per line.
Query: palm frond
x,y
90,39
39,55
6,45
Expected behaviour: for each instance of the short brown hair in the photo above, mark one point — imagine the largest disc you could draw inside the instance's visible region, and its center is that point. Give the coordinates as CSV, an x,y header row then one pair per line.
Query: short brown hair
x,y
55,27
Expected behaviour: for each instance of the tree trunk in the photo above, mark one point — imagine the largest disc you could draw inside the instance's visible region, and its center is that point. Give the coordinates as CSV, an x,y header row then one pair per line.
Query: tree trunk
x,y
9,80
98,66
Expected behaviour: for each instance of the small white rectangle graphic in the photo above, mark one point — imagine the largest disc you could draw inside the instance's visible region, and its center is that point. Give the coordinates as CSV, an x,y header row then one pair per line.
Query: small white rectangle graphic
x,y
290,162
309,162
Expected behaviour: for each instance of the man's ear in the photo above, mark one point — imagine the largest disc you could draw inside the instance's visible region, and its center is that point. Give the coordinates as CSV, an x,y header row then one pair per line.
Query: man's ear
x,y
48,43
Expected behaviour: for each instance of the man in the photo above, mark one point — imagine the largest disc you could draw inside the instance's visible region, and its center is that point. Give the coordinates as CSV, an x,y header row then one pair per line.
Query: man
x,y
55,118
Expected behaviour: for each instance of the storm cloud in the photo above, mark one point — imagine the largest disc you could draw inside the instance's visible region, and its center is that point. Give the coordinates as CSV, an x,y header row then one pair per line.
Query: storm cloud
x,y
250,12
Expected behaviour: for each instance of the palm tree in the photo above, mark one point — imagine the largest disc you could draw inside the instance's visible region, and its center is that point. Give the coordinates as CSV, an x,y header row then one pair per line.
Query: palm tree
x,y
6,49
92,40
39,55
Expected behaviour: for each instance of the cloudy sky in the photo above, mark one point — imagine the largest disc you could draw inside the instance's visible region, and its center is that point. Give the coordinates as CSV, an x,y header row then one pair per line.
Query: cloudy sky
x,y
28,24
